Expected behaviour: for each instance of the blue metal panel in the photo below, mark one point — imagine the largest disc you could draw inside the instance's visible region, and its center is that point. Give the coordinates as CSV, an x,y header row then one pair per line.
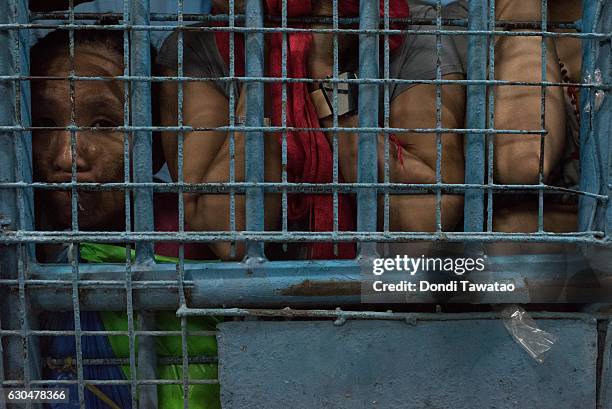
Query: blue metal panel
x,y
383,364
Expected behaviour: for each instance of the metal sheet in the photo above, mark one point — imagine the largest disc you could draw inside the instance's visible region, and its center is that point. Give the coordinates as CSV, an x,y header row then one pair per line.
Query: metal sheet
x,y
375,364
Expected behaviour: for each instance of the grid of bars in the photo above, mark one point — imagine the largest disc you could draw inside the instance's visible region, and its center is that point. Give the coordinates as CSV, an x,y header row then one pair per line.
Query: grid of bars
x,y
27,283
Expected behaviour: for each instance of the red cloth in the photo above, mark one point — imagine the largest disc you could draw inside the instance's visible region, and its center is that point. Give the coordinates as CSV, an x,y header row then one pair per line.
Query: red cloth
x,y
309,155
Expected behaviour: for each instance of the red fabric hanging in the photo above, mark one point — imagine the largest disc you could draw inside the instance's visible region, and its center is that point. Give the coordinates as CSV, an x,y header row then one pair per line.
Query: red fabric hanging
x,y
309,155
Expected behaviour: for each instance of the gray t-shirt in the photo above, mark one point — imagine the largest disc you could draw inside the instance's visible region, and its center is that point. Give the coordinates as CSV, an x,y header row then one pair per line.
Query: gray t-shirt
x,y
415,59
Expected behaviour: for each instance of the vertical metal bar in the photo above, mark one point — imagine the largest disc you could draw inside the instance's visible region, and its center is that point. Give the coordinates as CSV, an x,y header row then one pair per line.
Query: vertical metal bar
x,y
73,251
128,208
476,117
31,349
140,58
438,117
74,202
590,179
23,141
254,145
335,169
367,172
147,362
491,116
181,263
23,153
386,121
12,367
180,269
603,119
544,65
284,179
140,100
135,373
232,134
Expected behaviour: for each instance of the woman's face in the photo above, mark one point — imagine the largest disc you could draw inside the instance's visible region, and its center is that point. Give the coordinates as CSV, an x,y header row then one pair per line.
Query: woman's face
x,y
98,154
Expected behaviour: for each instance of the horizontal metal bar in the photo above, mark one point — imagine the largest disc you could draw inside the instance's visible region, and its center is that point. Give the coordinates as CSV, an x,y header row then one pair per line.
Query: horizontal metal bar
x,y
224,187
153,78
48,333
280,129
10,237
165,360
59,382
134,27
409,317
169,17
317,284
101,284
138,78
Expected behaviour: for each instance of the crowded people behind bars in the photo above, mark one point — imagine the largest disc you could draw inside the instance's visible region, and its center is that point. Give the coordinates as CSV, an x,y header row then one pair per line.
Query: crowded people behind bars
x,y
413,156
309,153
95,154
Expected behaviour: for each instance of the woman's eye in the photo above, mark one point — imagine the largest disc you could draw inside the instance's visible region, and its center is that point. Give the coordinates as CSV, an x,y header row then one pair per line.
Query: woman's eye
x,y
103,123
44,122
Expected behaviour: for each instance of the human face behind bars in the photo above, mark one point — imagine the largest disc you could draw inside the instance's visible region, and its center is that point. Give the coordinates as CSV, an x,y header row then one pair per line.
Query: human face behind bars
x,y
99,154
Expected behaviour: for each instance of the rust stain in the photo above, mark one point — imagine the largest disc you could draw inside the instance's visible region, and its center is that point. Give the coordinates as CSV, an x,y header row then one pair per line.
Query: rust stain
x,y
310,288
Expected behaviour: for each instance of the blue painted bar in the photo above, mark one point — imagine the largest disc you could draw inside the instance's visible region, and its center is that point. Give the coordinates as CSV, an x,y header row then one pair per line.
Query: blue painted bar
x,y
23,141
603,111
367,170
12,367
489,137
140,59
595,118
589,178
20,353
314,283
438,117
476,114
147,361
254,142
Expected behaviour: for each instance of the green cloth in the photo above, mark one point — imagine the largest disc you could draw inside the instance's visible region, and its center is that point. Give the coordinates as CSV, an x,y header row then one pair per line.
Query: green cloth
x,y
169,396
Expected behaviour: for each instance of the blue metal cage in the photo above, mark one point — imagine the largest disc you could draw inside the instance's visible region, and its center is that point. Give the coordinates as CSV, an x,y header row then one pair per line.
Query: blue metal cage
x,y
255,286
